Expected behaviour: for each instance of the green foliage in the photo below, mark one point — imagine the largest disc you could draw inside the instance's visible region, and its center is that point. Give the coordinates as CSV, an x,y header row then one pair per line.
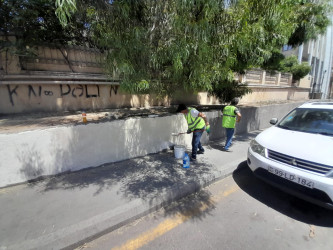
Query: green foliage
x,y
261,32
64,10
227,90
300,70
311,20
195,45
33,22
172,45
288,63
291,65
274,62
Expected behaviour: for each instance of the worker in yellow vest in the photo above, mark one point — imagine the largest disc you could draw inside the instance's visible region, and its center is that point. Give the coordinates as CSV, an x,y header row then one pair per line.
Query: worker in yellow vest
x,y
197,124
231,115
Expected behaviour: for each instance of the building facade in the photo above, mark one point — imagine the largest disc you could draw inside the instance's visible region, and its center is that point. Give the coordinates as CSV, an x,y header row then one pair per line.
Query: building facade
x,y
319,55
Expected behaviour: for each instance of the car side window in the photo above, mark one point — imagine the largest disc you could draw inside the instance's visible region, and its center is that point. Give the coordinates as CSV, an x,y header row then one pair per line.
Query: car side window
x,y
291,120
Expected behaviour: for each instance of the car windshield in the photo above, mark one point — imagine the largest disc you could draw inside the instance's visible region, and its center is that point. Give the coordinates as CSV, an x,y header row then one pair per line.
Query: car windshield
x,y
319,121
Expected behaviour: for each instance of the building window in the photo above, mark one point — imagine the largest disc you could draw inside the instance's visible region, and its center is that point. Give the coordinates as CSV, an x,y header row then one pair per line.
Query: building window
x,y
287,47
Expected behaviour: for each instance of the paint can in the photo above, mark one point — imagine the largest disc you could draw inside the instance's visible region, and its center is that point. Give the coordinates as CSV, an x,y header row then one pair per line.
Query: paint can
x,y
179,151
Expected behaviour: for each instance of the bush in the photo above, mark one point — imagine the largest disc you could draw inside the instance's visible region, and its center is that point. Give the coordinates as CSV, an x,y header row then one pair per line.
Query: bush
x,y
300,70
291,65
226,90
287,64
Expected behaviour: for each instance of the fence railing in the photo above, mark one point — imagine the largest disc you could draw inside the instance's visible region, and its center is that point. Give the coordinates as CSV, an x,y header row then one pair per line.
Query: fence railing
x,y
56,58
79,59
69,58
262,77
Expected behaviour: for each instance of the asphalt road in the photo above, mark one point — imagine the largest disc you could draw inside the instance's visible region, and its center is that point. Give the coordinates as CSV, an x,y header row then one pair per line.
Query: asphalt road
x,y
239,212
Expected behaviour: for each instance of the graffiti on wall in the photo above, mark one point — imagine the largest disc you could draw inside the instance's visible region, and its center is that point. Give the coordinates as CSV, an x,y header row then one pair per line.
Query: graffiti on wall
x,y
65,90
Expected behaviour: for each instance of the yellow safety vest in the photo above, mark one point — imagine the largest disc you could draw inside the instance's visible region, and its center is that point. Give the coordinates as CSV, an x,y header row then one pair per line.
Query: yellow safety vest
x,y
229,117
194,123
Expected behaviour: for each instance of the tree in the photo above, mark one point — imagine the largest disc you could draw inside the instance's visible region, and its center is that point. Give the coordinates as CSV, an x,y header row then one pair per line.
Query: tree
x,y
274,62
311,20
34,22
190,45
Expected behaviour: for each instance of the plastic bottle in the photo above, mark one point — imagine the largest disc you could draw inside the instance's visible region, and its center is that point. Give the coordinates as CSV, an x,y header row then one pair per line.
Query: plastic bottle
x,y
186,161
84,117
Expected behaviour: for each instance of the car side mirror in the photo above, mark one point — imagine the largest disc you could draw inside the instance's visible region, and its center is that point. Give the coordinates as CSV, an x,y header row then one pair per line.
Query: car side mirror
x,y
273,121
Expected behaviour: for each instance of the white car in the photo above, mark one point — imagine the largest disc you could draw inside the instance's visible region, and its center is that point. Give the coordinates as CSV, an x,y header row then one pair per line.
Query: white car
x,y
296,154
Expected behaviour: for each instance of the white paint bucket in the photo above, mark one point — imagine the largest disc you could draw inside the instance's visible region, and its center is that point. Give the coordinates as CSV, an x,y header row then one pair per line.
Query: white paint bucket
x,y
179,151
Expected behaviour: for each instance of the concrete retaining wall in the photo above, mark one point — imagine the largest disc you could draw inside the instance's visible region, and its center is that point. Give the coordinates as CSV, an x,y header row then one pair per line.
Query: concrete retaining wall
x,y
30,98
32,154
270,93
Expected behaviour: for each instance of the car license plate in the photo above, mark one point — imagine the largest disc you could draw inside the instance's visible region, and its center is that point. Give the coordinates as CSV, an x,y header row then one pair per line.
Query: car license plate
x,y
291,177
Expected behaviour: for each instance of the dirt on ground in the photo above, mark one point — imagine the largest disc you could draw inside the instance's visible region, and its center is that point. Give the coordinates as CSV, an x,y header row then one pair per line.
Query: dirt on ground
x,y
15,123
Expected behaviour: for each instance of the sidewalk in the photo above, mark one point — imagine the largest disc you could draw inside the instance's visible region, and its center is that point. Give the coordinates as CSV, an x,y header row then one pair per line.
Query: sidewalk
x,y
67,210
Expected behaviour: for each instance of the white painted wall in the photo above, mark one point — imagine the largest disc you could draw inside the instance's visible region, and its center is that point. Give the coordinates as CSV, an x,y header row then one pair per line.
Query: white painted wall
x,y
28,155
31,154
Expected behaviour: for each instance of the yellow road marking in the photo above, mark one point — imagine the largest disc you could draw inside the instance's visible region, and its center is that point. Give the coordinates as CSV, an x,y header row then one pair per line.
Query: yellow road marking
x,y
7,190
169,224
149,236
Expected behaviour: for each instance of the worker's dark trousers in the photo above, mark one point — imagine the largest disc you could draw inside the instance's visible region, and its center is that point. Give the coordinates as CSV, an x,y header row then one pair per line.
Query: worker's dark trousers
x,y
196,144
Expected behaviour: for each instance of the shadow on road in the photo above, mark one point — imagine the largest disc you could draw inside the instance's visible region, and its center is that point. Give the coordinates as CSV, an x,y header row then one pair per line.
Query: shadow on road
x,y
153,179
282,202
196,206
